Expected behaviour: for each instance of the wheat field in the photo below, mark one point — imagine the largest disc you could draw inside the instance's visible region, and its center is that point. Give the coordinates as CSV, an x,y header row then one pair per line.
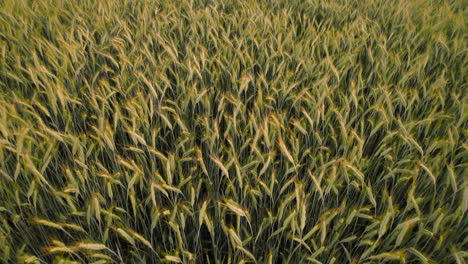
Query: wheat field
x,y
159,131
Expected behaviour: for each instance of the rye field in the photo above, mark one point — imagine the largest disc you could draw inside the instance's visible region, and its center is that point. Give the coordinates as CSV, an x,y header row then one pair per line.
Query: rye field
x,y
255,131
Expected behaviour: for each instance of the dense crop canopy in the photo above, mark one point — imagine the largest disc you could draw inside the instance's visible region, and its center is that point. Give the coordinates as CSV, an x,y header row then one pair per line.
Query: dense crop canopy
x,y
319,131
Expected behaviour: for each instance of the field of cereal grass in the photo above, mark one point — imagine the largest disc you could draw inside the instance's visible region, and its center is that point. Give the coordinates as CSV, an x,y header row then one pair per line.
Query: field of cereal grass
x,y
320,131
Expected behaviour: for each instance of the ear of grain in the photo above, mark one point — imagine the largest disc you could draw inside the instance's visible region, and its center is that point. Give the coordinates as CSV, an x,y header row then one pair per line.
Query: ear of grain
x,y
140,238
236,208
47,223
125,236
220,165
90,246
173,259
285,150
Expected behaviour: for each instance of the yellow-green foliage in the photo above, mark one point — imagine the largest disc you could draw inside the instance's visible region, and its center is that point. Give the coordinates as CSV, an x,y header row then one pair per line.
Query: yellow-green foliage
x,y
193,131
